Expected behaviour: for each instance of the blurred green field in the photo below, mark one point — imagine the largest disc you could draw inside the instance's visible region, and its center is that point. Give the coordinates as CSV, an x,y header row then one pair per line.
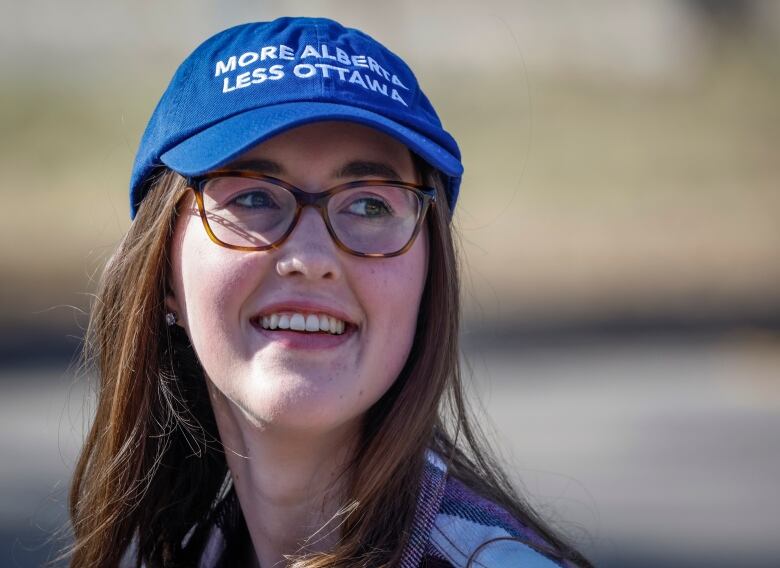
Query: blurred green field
x,y
583,194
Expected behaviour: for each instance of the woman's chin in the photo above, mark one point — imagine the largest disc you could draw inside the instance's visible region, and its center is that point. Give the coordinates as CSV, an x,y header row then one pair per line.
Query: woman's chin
x,y
303,411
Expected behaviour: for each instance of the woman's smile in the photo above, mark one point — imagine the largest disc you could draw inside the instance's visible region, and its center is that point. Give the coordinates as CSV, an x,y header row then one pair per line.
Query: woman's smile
x,y
300,324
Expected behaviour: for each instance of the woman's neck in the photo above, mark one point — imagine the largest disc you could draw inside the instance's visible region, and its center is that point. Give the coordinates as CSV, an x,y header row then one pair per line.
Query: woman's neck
x,y
289,484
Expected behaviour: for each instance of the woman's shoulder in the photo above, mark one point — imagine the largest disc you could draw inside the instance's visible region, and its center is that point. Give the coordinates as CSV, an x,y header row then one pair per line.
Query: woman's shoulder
x,y
467,525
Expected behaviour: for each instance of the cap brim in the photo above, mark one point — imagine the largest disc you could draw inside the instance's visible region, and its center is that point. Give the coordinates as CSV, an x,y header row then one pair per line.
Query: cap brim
x,y
222,142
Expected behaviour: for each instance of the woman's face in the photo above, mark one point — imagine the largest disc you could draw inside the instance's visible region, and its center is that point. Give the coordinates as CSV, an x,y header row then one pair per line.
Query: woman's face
x,y
297,380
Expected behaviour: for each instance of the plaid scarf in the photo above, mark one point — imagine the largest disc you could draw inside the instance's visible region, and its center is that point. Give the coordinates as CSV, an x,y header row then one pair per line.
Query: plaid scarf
x,y
450,525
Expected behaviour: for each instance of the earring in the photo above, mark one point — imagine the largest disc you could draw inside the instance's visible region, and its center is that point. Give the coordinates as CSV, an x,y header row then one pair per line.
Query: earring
x,y
170,318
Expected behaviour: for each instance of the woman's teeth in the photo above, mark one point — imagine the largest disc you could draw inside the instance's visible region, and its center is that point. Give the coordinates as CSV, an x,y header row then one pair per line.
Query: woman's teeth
x,y
301,322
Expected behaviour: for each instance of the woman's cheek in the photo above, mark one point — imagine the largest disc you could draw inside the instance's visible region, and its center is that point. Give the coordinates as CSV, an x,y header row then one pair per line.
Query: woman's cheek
x,y
217,281
395,296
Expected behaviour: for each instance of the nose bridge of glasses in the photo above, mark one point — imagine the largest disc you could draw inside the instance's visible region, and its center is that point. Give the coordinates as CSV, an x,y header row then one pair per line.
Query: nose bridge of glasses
x,y
317,200
307,199
314,210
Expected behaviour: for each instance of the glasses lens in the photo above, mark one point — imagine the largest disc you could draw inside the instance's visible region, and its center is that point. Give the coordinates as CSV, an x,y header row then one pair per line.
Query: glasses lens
x,y
247,212
378,219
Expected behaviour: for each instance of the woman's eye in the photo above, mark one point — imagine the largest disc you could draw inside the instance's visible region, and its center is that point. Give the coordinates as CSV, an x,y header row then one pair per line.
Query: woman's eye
x,y
369,207
254,200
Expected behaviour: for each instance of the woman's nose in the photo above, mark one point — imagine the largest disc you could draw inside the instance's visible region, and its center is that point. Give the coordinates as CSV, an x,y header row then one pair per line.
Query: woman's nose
x,y
309,251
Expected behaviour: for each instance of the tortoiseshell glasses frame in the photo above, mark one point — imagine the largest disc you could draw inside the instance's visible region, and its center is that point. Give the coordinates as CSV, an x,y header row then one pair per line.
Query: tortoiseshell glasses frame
x,y
425,197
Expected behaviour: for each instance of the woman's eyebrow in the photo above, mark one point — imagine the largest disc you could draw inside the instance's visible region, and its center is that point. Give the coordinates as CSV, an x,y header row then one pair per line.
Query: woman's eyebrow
x,y
367,168
353,169
260,166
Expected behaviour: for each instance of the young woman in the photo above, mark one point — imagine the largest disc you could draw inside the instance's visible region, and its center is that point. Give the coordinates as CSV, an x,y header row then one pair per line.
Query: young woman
x,y
276,337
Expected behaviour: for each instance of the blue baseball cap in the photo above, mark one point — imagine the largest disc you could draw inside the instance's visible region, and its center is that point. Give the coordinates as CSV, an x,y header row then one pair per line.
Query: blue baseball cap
x,y
253,81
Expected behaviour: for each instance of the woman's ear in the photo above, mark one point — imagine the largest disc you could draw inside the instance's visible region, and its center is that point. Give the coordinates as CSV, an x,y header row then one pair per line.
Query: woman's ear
x,y
171,304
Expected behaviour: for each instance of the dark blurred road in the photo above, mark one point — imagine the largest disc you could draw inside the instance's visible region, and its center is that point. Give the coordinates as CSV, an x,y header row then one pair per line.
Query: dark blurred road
x,y
656,453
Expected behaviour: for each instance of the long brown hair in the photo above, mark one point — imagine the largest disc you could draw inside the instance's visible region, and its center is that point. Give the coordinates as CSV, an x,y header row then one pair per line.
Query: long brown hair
x,y
152,464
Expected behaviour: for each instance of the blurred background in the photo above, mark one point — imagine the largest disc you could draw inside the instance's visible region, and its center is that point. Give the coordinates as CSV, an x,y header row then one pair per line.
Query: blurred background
x,y
619,228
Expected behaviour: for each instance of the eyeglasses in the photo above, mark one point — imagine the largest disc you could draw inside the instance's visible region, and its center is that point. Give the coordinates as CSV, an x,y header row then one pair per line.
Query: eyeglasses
x,y
246,211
